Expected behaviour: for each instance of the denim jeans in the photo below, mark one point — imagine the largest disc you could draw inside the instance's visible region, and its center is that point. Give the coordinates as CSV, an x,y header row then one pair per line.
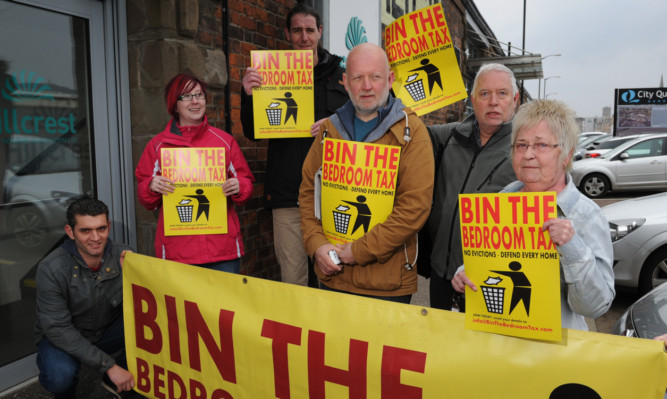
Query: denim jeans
x,y
229,266
399,299
59,371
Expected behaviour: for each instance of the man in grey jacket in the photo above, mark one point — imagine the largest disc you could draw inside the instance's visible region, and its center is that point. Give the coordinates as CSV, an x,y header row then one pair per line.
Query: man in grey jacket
x,y
80,303
472,156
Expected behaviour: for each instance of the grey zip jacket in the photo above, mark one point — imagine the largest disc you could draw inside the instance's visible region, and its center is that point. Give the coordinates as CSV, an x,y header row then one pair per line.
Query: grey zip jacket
x,y
462,167
76,305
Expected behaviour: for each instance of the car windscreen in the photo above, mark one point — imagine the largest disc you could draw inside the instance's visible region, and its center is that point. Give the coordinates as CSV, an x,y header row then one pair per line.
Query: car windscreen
x,y
610,144
649,314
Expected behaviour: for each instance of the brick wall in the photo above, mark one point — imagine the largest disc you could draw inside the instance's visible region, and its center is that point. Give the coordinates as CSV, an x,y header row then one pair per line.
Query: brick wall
x,y
254,25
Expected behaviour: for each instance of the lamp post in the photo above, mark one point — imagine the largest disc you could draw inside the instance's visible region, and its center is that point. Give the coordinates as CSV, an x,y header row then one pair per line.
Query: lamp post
x,y
545,83
539,83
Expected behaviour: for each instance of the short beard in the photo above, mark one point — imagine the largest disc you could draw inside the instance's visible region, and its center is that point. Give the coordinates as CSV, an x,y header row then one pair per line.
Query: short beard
x,y
374,110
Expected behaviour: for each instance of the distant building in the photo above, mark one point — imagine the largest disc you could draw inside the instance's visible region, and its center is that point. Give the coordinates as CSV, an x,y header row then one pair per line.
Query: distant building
x,y
597,123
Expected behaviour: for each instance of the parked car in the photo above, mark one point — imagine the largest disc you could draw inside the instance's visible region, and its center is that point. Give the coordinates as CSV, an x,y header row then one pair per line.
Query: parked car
x,y
586,135
639,164
42,176
646,318
599,148
589,142
638,230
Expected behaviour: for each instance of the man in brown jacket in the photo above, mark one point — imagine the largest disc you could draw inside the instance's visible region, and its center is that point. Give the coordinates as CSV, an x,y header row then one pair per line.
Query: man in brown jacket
x,y
380,263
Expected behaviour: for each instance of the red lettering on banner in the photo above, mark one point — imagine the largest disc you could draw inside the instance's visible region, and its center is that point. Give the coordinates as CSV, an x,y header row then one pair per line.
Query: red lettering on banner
x,y
174,382
196,328
393,361
158,382
146,320
143,380
282,335
319,373
176,387
172,328
223,357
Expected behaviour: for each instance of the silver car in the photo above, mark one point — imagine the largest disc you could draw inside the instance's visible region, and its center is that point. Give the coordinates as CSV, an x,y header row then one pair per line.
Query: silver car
x,y
639,236
639,164
646,318
599,148
588,142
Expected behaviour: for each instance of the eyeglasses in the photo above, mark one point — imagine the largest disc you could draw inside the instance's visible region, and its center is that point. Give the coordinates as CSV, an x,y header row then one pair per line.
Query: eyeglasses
x,y
537,147
188,97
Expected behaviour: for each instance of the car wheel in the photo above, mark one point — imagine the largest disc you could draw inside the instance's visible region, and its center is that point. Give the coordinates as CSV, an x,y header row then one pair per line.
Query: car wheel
x,y
654,271
28,226
595,185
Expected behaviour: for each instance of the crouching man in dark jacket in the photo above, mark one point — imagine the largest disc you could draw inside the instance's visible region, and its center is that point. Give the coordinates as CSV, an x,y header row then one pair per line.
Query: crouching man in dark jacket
x,y
80,303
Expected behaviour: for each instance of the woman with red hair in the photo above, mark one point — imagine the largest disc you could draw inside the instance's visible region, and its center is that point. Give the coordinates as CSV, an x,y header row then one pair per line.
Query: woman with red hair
x,y
186,103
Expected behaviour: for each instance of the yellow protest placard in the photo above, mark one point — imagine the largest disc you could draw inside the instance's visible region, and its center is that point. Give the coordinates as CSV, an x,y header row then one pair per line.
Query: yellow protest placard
x,y
422,56
358,187
191,332
513,263
283,106
197,205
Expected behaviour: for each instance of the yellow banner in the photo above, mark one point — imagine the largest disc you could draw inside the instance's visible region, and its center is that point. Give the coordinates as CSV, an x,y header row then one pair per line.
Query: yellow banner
x,y
358,187
512,262
191,332
422,56
197,205
283,105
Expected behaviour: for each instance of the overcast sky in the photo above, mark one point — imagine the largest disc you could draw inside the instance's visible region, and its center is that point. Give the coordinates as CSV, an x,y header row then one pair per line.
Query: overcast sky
x,y
604,44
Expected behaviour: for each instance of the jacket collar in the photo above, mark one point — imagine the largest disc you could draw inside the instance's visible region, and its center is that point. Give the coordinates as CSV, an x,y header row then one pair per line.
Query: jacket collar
x,y
70,246
343,119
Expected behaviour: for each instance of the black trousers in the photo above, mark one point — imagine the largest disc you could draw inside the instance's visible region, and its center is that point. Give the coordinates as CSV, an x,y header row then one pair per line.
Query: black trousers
x,y
443,295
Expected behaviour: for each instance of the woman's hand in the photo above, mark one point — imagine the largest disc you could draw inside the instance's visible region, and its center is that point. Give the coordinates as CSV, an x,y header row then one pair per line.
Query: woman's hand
x,y
161,185
560,230
231,186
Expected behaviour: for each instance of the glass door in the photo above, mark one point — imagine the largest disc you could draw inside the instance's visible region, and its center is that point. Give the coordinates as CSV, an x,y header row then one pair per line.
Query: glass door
x,y
58,92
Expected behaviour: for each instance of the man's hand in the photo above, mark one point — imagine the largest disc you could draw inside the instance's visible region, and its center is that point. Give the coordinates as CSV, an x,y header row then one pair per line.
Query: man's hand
x,y
122,257
345,255
460,281
662,338
251,79
328,267
122,378
315,127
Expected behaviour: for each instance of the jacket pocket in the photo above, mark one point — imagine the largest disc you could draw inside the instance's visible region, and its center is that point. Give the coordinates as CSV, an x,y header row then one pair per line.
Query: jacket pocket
x,y
382,277
114,294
